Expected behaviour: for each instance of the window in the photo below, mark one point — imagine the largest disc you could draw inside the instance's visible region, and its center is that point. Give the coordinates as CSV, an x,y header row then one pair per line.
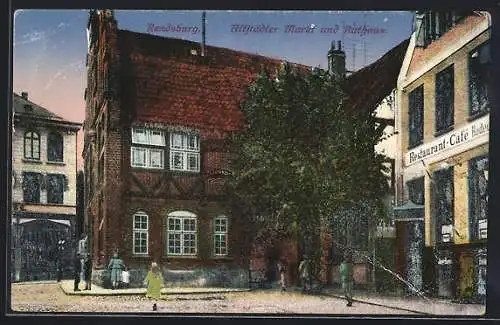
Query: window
x,y
31,187
181,233
479,76
140,233
55,147
55,188
478,197
416,190
184,152
148,148
444,99
435,24
32,145
416,116
220,236
442,204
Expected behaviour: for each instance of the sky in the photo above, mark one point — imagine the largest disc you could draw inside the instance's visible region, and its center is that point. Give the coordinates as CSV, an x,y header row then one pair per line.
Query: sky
x,y
50,46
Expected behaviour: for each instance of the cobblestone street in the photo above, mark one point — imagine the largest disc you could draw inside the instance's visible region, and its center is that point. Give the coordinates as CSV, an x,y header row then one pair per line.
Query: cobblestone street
x,y
48,297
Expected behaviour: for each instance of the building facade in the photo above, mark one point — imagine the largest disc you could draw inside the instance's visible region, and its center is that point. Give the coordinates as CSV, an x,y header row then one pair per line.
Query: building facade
x,y
442,163
371,90
158,114
44,167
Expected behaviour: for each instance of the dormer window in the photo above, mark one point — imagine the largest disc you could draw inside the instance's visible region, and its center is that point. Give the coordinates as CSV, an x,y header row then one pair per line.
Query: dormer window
x,y
431,25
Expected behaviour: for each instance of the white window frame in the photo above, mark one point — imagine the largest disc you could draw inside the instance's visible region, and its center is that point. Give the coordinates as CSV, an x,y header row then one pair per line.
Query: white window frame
x,y
180,145
182,216
140,230
482,228
221,232
140,145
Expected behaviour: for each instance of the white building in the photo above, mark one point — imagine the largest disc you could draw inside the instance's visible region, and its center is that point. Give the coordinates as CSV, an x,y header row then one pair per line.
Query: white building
x,y
44,167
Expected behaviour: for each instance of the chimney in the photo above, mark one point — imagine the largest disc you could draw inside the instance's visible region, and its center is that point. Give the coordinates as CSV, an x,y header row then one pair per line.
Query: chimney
x,y
336,60
203,20
24,95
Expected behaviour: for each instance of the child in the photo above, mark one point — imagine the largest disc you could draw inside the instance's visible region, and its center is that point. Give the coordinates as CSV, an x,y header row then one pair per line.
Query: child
x,y
154,283
125,278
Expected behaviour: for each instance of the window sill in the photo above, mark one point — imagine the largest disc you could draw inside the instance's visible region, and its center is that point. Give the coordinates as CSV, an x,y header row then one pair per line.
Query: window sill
x,y
443,131
56,163
182,257
183,172
60,205
31,161
149,169
478,115
135,255
223,258
411,147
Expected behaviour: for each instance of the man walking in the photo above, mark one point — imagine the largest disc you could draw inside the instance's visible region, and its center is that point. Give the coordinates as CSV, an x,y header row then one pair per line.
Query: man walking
x,y
347,277
304,271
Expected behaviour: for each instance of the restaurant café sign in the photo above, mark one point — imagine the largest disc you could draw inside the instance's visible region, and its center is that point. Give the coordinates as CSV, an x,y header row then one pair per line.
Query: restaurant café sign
x,y
462,139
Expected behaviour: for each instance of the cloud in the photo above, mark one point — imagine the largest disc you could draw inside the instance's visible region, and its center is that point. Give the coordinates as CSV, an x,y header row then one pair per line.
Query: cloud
x,y
61,73
36,36
386,19
31,37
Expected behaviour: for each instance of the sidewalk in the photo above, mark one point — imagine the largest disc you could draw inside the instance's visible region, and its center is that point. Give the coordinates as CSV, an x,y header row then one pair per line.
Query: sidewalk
x,y
415,304
67,287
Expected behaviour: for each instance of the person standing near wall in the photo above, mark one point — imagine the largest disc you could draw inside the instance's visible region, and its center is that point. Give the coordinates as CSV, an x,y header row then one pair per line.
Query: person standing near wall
x,y
88,272
115,268
125,278
282,268
77,269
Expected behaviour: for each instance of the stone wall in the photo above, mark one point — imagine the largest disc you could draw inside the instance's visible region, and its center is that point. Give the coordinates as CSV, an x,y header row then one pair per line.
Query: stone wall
x,y
200,277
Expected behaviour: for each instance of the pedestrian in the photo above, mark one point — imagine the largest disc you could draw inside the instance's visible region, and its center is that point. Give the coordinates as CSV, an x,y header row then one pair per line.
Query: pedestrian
x,y
59,269
154,283
76,272
125,278
347,277
282,270
305,273
88,273
115,267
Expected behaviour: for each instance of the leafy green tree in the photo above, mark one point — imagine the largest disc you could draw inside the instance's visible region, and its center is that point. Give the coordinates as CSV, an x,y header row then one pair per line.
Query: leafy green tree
x,y
303,155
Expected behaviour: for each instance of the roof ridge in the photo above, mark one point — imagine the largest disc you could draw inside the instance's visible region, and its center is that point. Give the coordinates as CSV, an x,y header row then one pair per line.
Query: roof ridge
x,y
207,46
45,110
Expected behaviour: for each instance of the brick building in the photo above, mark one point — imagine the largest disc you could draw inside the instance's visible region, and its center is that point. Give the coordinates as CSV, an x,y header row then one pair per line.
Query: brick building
x,y
44,164
157,115
442,164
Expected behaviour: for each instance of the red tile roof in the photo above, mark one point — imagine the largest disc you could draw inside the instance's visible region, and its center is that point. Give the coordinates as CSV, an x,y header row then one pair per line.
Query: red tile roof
x,y
165,82
367,87
170,84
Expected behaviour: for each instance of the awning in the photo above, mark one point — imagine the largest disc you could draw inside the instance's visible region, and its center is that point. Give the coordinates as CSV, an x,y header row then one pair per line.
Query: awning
x,y
409,212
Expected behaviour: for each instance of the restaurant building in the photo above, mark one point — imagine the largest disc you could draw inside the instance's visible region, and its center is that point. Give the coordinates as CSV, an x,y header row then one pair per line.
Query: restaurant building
x,y
442,161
